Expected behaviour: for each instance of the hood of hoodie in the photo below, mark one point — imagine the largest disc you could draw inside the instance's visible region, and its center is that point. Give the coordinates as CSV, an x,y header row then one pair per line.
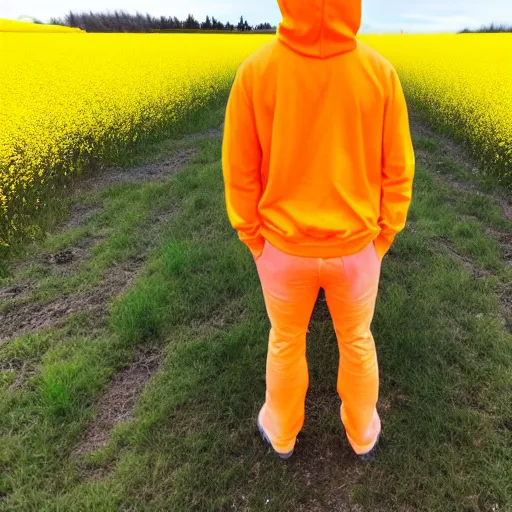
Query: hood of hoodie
x,y
320,28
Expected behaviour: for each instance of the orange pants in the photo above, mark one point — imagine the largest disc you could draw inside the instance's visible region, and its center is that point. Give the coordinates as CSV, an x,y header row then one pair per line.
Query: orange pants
x,y
290,287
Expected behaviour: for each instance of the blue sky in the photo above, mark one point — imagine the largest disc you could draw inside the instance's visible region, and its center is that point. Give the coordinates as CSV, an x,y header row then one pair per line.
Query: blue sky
x,y
379,15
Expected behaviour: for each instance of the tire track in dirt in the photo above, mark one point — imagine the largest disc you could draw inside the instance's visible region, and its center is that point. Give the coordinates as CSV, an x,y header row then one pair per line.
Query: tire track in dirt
x,y
118,403
19,318
451,151
454,151
26,318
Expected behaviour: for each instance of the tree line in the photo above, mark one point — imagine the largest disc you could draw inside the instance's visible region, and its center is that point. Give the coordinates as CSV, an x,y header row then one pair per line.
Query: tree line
x,y
488,29
120,21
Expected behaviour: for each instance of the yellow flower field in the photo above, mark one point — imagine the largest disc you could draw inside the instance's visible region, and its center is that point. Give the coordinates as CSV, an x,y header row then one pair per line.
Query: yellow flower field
x,y
463,84
74,101
23,26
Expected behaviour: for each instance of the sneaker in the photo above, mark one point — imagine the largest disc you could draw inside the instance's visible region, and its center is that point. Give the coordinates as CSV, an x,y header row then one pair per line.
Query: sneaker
x,y
282,456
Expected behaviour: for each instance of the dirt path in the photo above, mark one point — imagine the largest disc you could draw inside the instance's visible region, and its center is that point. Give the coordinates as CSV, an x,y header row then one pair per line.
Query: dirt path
x,y
452,156
454,153
54,288
20,315
23,313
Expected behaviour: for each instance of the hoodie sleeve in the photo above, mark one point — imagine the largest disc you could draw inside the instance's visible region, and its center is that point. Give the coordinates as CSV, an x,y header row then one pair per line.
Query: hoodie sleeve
x,y
241,163
398,166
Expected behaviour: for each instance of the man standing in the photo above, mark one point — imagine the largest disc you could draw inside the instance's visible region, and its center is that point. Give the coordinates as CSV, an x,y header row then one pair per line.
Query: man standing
x,y
318,168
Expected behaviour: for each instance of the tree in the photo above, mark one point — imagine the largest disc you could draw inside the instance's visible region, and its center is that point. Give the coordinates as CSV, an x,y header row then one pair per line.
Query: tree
x,y
71,20
493,27
217,25
264,26
191,23
207,25
121,21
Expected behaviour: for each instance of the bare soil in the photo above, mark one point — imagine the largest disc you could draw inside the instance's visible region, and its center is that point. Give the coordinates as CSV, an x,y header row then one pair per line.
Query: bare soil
x,y
147,173
118,402
79,213
31,317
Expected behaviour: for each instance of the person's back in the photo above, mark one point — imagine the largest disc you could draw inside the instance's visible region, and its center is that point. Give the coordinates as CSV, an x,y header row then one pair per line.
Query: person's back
x,y
318,166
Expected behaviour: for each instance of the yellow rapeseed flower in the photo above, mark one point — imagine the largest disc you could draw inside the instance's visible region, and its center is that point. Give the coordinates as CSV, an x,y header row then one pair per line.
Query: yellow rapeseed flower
x,y
69,100
463,83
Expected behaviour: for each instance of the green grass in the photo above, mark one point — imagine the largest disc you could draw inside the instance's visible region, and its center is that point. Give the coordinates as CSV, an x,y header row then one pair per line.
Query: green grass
x,y
445,356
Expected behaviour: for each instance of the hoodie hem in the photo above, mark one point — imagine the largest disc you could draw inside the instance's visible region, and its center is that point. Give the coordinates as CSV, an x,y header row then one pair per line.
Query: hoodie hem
x,y
320,249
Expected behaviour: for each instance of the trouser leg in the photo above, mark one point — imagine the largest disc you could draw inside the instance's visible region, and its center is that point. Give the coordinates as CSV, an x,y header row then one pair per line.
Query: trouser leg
x,y
290,288
351,285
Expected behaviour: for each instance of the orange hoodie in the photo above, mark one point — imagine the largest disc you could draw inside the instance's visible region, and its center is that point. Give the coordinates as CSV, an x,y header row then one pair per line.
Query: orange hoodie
x,y
317,152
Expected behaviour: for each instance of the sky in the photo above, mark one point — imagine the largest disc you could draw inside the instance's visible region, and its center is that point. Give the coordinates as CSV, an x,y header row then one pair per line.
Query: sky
x,y
378,15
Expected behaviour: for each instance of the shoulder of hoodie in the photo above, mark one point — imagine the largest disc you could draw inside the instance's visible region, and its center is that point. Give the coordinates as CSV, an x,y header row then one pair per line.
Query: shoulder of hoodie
x,y
378,61
257,61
